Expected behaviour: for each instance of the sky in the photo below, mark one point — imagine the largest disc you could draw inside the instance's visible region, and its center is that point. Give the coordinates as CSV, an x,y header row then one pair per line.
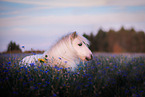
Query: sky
x,y
38,24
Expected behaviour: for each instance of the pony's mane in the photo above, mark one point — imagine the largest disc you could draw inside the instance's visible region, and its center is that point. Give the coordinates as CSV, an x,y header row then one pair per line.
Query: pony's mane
x,y
66,39
63,40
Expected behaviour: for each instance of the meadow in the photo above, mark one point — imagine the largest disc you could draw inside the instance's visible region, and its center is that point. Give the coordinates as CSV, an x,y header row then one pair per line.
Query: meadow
x,y
107,75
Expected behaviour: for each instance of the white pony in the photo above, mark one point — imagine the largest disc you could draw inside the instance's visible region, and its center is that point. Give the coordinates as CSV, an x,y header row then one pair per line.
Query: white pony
x,y
67,52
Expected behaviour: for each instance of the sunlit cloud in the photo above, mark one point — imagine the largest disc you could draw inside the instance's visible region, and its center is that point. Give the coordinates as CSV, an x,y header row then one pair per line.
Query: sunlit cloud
x,y
72,19
80,3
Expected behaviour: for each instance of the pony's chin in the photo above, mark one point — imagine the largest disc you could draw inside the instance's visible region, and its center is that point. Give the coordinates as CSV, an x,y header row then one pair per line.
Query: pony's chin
x,y
83,58
86,58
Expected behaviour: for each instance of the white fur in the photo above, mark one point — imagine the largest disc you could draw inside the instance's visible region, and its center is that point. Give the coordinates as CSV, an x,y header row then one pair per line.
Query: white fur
x,y
65,52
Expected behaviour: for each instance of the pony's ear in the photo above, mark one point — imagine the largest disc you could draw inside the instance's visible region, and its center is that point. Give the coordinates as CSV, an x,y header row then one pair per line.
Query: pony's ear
x,y
73,35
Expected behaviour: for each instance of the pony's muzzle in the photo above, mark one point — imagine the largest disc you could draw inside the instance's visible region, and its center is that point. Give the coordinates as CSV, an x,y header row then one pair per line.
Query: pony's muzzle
x,y
89,58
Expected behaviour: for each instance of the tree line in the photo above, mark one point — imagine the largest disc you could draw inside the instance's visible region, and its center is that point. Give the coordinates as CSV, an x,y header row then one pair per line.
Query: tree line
x,y
124,40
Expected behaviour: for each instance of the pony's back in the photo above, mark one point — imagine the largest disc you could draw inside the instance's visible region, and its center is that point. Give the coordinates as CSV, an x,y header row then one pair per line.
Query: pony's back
x,y
30,59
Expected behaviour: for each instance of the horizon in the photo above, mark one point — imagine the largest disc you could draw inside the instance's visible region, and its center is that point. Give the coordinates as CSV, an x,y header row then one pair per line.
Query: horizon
x,y
39,24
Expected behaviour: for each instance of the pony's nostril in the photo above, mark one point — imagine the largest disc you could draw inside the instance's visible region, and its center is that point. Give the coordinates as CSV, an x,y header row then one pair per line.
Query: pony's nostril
x,y
87,58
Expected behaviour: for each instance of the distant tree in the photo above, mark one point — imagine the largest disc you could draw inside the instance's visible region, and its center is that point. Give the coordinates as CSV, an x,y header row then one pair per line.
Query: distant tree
x,y
101,40
141,41
112,40
13,47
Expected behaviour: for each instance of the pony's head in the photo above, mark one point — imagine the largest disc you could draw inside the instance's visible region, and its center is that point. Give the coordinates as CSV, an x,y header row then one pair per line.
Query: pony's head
x,y
80,45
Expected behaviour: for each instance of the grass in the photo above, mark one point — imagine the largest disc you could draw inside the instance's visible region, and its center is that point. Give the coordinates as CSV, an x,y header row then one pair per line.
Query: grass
x,y
107,75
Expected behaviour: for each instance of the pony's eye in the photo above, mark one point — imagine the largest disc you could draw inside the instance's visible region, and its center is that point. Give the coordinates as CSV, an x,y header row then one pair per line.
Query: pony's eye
x,y
80,44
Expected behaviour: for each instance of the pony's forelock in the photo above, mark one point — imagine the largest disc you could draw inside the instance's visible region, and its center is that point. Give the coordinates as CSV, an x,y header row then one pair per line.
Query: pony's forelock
x,y
84,39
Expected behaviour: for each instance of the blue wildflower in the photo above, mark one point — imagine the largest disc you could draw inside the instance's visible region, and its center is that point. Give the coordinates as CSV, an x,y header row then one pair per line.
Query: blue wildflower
x,y
137,95
6,70
41,70
89,82
59,58
89,78
126,91
30,79
46,71
34,53
86,85
98,63
14,92
115,66
17,71
26,72
9,63
39,83
133,87
141,91
107,67
44,85
80,68
36,88
47,82
23,46
61,68
55,66
54,95
25,68
21,67
39,66
24,83
141,64
32,64
78,87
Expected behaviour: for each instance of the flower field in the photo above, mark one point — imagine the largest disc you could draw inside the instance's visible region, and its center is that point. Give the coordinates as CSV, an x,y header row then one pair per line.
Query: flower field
x,y
107,75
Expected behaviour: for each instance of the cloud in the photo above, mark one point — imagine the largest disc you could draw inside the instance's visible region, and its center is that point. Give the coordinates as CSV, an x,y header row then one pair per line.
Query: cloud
x,y
72,19
80,3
